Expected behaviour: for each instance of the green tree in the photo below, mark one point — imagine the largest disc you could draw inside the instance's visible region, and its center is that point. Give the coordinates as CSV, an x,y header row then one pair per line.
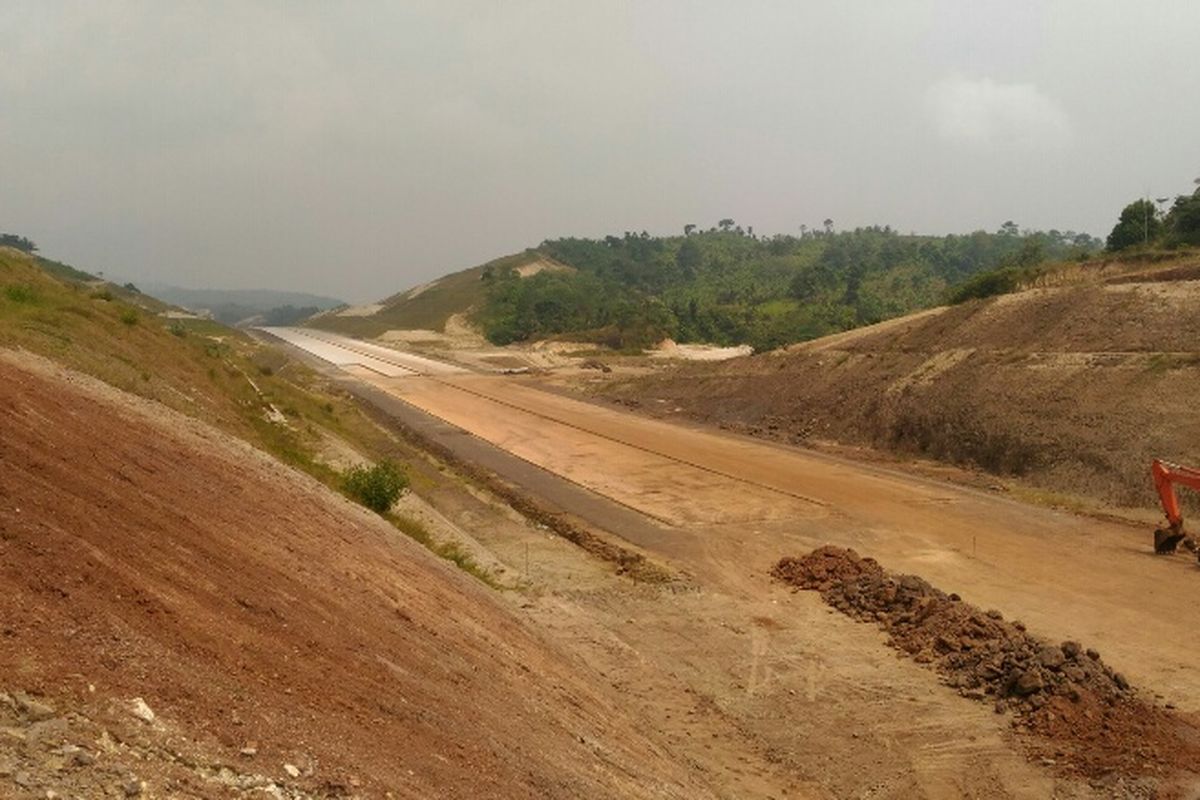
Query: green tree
x,y
689,257
19,242
1183,220
1138,224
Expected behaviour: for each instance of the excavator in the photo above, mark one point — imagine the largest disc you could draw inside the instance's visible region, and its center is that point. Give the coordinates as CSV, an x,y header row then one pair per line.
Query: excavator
x,y
1166,475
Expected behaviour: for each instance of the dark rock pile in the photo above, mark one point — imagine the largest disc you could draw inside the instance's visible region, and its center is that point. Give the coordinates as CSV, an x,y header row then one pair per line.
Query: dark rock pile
x,y
978,652
1087,717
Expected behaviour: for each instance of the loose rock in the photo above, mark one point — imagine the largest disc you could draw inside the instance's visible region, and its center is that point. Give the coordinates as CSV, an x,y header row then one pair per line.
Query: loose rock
x,y
34,710
140,710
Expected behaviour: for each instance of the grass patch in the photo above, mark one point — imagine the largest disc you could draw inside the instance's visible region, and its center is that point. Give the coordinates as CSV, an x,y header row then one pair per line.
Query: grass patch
x,y
451,551
21,293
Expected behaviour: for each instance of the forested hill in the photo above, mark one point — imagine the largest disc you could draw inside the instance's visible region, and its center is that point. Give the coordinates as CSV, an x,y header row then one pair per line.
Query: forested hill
x,y
728,286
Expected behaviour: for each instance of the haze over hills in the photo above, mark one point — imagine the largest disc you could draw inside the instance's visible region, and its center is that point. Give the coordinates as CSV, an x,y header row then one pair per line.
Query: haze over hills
x,y
234,306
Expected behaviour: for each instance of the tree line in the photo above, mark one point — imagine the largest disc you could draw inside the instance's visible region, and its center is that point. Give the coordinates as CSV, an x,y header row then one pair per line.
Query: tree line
x,y
1145,223
727,285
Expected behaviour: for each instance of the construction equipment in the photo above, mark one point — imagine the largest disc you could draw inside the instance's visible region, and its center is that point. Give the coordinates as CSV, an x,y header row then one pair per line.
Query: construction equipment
x,y
1166,475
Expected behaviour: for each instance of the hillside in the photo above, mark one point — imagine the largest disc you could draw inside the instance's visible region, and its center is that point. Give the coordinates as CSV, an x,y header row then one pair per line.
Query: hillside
x,y
198,367
243,306
1073,387
183,616
725,285
430,305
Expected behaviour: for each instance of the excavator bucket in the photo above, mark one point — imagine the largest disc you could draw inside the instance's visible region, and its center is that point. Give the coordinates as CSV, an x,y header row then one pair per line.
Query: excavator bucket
x,y
1166,540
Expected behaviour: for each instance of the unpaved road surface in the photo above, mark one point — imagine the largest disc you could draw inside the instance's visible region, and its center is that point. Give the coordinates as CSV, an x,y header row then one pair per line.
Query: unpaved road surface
x,y
740,504
731,506
762,691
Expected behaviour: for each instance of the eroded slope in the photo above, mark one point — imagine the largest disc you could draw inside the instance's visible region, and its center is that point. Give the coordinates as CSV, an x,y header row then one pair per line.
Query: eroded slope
x,y
1075,388
266,621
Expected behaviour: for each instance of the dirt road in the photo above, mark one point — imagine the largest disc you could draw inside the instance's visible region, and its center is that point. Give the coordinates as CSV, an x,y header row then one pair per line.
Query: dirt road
x,y
736,505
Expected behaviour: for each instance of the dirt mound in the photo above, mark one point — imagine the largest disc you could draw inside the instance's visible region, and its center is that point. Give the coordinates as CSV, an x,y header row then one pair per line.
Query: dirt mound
x,y
182,616
826,568
1088,714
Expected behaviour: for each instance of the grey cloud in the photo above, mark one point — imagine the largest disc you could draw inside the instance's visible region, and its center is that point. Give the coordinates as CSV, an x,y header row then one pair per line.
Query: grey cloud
x,y
359,147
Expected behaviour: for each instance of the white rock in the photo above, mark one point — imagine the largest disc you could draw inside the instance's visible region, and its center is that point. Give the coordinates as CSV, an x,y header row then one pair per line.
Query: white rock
x,y
292,770
140,710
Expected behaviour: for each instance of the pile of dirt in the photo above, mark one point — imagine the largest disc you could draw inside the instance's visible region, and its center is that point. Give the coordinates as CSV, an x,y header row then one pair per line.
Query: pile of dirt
x,y
1094,721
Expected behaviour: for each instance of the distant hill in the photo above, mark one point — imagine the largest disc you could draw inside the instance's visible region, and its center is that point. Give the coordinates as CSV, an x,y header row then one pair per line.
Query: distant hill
x,y
724,285
240,306
430,305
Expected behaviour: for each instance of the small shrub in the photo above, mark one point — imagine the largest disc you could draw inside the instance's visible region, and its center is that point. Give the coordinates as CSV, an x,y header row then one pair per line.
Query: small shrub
x,y
177,329
20,293
130,317
376,487
265,369
988,284
103,294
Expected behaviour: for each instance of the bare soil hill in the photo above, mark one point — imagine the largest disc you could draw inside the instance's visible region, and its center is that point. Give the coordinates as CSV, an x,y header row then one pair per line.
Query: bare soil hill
x,y
183,616
1073,387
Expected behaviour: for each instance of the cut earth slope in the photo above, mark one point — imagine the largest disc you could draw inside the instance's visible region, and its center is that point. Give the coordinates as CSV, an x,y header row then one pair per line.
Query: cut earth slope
x,y
283,639
1071,388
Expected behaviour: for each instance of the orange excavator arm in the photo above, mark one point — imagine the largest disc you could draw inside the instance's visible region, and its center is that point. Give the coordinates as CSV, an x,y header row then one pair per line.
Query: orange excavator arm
x,y
1166,476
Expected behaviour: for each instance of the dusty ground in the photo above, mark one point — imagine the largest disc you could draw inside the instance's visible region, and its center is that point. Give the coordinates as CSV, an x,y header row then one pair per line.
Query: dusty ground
x,y
822,698
284,640
1070,389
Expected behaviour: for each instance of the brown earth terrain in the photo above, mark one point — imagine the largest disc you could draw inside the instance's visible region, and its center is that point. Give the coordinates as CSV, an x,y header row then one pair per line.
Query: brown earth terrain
x,y
1081,711
182,616
818,697
1072,388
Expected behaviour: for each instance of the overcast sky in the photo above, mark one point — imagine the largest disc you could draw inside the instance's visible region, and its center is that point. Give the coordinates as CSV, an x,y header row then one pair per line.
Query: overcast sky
x,y
357,148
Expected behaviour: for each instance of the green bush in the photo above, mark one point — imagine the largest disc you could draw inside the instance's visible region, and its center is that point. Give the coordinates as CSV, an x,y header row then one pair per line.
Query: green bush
x,y
20,293
376,487
130,317
989,284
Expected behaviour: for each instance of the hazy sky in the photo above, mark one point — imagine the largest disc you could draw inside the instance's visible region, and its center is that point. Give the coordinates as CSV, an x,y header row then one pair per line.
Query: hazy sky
x,y
355,148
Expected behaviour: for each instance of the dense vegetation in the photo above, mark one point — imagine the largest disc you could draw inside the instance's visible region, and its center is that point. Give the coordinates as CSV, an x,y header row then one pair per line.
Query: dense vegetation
x,y
729,286
1145,224
19,242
